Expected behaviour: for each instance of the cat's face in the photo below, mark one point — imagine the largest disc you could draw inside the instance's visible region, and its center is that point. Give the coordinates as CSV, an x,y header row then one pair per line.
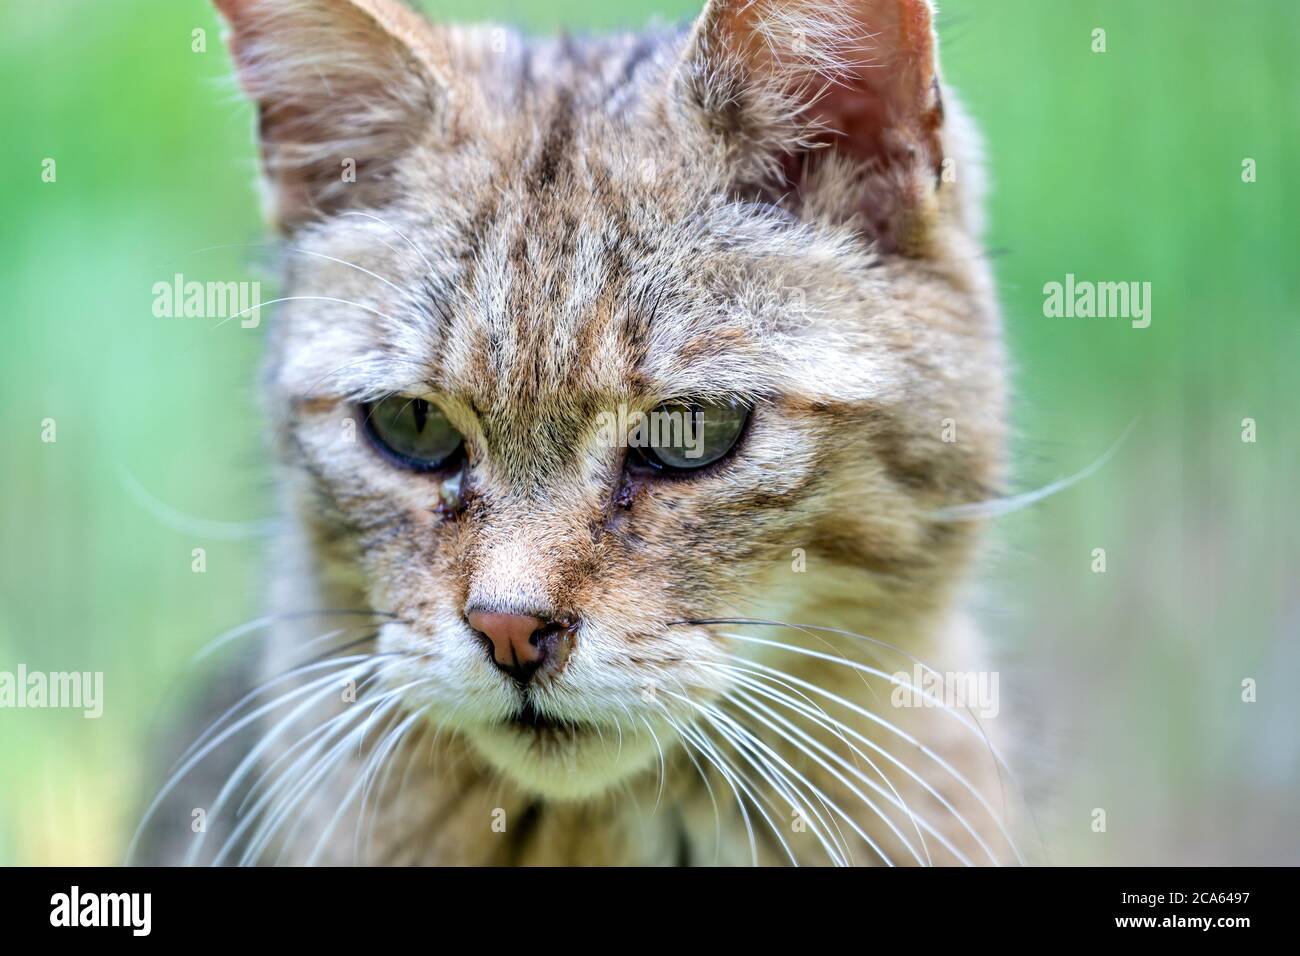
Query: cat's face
x,y
567,239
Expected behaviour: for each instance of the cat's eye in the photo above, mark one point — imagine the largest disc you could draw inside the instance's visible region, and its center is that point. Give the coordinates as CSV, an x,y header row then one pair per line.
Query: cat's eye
x,y
412,433
686,436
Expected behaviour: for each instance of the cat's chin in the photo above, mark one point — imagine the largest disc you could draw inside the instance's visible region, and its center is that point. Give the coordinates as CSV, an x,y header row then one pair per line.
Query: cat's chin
x,y
563,762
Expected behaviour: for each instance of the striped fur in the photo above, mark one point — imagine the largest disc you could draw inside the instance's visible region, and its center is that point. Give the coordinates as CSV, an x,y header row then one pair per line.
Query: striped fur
x,y
541,229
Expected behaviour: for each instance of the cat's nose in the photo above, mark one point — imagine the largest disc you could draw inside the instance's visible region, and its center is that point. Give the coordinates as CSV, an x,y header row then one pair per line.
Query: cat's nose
x,y
519,643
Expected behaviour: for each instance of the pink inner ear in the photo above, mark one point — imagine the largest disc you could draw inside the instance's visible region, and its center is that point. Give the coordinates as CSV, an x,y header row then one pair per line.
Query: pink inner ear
x,y
854,119
886,105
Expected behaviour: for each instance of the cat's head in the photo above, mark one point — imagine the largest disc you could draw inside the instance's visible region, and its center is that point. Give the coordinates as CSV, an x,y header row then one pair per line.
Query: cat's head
x,y
591,340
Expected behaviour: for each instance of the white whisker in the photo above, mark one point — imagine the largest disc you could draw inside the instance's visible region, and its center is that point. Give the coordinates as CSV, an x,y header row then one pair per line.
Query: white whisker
x,y
801,741
903,735
704,778
384,222
997,507
189,764
739,781
840,728
765,762
251,816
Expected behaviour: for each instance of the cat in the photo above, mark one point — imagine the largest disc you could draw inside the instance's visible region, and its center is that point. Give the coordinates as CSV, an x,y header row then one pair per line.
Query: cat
x,y
505,634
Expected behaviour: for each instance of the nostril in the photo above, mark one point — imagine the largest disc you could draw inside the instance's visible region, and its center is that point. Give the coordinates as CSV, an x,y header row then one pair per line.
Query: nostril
x,y
519,643
544,634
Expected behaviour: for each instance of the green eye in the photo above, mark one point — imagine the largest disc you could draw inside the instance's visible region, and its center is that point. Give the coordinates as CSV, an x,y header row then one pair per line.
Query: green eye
x,y
685,436
412,432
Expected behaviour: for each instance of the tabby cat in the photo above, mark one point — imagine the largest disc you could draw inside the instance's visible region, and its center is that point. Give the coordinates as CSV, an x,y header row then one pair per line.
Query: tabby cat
x,y
623,388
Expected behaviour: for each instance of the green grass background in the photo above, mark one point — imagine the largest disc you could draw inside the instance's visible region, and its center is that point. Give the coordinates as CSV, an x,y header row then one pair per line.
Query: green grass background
x,y
1117,166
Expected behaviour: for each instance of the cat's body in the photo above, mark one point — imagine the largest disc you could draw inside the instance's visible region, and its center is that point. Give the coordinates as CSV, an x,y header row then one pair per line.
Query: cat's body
x,y
540,232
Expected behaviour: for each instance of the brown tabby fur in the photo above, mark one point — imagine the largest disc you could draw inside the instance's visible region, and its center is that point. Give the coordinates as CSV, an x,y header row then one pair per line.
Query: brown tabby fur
x,y
778,206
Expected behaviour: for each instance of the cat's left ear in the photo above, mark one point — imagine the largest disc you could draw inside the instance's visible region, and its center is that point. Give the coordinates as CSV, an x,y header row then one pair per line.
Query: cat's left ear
x,y
834,103
343,88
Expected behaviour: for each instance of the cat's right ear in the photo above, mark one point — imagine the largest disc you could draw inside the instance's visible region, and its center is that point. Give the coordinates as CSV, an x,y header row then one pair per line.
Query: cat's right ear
x,y
833,104
342,87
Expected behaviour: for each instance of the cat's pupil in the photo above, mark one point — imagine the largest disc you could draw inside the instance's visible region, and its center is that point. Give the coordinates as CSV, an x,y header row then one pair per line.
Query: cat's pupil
x,y
413,432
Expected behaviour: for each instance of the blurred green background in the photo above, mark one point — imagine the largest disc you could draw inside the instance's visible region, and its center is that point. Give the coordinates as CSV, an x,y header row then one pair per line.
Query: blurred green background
x,y
1123,165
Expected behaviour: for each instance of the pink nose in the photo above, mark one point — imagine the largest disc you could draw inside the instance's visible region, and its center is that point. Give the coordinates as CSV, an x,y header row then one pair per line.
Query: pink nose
x,y
518,644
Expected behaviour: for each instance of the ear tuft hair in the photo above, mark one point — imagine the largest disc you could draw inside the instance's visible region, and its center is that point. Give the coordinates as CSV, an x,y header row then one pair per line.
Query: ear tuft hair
x,y
343,88
813,95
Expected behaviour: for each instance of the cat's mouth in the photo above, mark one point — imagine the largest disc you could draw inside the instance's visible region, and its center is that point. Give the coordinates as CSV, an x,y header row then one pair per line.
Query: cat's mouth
x,y
529,720
556,756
